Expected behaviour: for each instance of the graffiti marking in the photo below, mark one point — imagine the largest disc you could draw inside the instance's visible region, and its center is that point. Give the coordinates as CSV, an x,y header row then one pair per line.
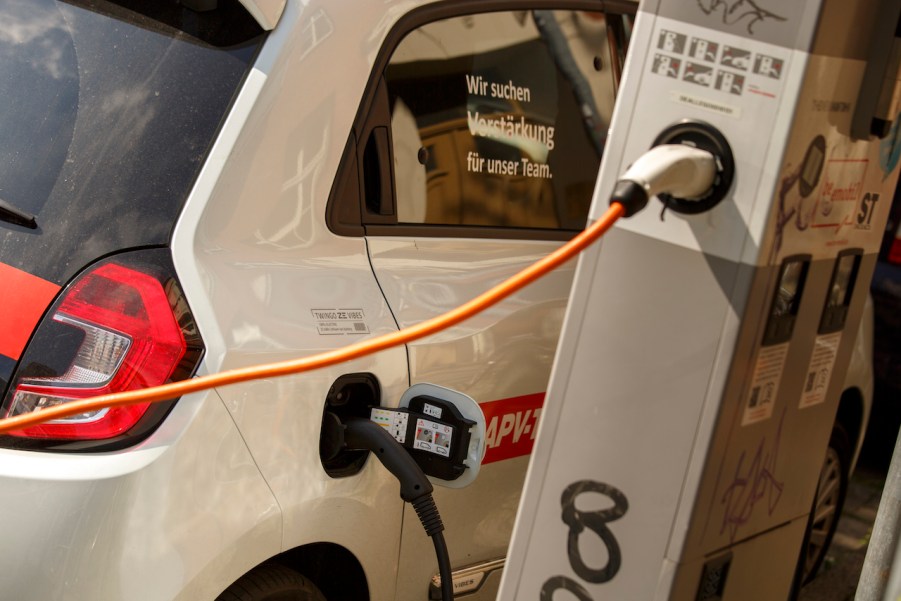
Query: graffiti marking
x,y
736,10
752,484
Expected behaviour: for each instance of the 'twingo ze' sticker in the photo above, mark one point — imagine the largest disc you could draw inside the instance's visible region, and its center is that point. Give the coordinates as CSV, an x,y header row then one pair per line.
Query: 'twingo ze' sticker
x,y
339,322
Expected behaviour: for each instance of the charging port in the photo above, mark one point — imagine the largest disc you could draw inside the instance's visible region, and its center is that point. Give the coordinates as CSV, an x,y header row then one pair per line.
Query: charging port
x,y
350,396
702,136
435,433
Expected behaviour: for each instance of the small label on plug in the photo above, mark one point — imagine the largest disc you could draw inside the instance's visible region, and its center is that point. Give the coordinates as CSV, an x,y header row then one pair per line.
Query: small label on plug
x,y
393,421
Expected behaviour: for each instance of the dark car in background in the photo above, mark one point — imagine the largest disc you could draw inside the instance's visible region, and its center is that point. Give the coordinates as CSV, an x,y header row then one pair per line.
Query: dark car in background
x,y
886,292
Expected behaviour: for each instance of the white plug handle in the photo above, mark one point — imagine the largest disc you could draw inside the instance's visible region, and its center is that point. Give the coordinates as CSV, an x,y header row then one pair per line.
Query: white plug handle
x,y
676,169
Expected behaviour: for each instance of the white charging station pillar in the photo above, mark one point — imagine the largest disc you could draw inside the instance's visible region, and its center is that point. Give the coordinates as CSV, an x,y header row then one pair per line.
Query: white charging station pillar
x,y
703,355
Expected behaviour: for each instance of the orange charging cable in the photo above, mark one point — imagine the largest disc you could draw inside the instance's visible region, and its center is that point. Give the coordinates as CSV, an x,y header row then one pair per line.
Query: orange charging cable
x,y
347,353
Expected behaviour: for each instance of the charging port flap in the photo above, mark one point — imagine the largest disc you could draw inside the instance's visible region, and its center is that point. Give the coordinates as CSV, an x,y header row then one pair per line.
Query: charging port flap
x,y
443,429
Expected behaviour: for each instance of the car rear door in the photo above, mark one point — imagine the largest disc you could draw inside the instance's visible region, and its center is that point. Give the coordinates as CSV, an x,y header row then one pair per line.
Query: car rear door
x,y
475,155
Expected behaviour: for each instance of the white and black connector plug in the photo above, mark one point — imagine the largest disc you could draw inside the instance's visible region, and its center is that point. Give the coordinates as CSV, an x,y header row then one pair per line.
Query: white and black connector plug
x,y
436,435
357,433
690,168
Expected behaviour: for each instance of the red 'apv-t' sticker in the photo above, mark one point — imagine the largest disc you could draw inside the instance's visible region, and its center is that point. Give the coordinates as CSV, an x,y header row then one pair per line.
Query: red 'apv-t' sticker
x,y
511,426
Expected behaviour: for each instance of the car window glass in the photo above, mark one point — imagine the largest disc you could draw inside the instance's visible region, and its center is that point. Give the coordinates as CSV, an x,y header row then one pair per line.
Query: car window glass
x,y
499,119
107,112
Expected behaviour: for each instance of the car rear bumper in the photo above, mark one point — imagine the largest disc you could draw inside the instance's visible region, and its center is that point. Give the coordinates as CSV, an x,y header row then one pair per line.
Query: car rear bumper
x,y
178,517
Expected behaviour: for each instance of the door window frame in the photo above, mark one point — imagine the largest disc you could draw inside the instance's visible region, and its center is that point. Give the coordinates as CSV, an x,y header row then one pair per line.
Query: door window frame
x,y
347,213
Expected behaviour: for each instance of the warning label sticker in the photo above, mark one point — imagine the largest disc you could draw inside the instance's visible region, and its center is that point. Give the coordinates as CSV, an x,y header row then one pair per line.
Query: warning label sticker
x,y
433,437
767,375
332,322
819,372
393,421
732,71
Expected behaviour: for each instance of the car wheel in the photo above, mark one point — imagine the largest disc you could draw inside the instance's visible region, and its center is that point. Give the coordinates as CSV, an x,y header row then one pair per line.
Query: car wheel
x,y
827,504
272,582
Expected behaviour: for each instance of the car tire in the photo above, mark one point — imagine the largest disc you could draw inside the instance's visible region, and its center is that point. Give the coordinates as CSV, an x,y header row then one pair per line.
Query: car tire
x,y
827,504
272,582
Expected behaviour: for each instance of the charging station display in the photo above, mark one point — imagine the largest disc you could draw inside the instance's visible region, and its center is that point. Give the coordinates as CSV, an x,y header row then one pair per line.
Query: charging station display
x,y
786,300
840,292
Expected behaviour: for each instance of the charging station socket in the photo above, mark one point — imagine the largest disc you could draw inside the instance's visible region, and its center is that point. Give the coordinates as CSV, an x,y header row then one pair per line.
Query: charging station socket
x,y
703,136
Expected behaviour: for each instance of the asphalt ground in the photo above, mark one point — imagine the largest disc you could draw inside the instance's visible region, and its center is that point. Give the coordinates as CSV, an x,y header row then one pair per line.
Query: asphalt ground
x,y
840,573
839,576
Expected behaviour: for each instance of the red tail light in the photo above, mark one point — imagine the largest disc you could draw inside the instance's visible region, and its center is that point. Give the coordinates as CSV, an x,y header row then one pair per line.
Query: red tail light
x,y
118,327
891,244
894,253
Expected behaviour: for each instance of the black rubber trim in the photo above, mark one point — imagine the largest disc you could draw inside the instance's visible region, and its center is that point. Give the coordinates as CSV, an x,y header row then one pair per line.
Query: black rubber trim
x,y
342,213
632,196
375,162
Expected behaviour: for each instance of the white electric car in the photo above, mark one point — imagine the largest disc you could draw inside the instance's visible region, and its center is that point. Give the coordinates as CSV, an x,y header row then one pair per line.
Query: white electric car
x,y
199,185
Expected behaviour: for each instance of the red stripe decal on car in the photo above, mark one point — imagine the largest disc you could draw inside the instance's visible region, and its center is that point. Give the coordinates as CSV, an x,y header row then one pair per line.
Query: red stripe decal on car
x,y
23,299
511,426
